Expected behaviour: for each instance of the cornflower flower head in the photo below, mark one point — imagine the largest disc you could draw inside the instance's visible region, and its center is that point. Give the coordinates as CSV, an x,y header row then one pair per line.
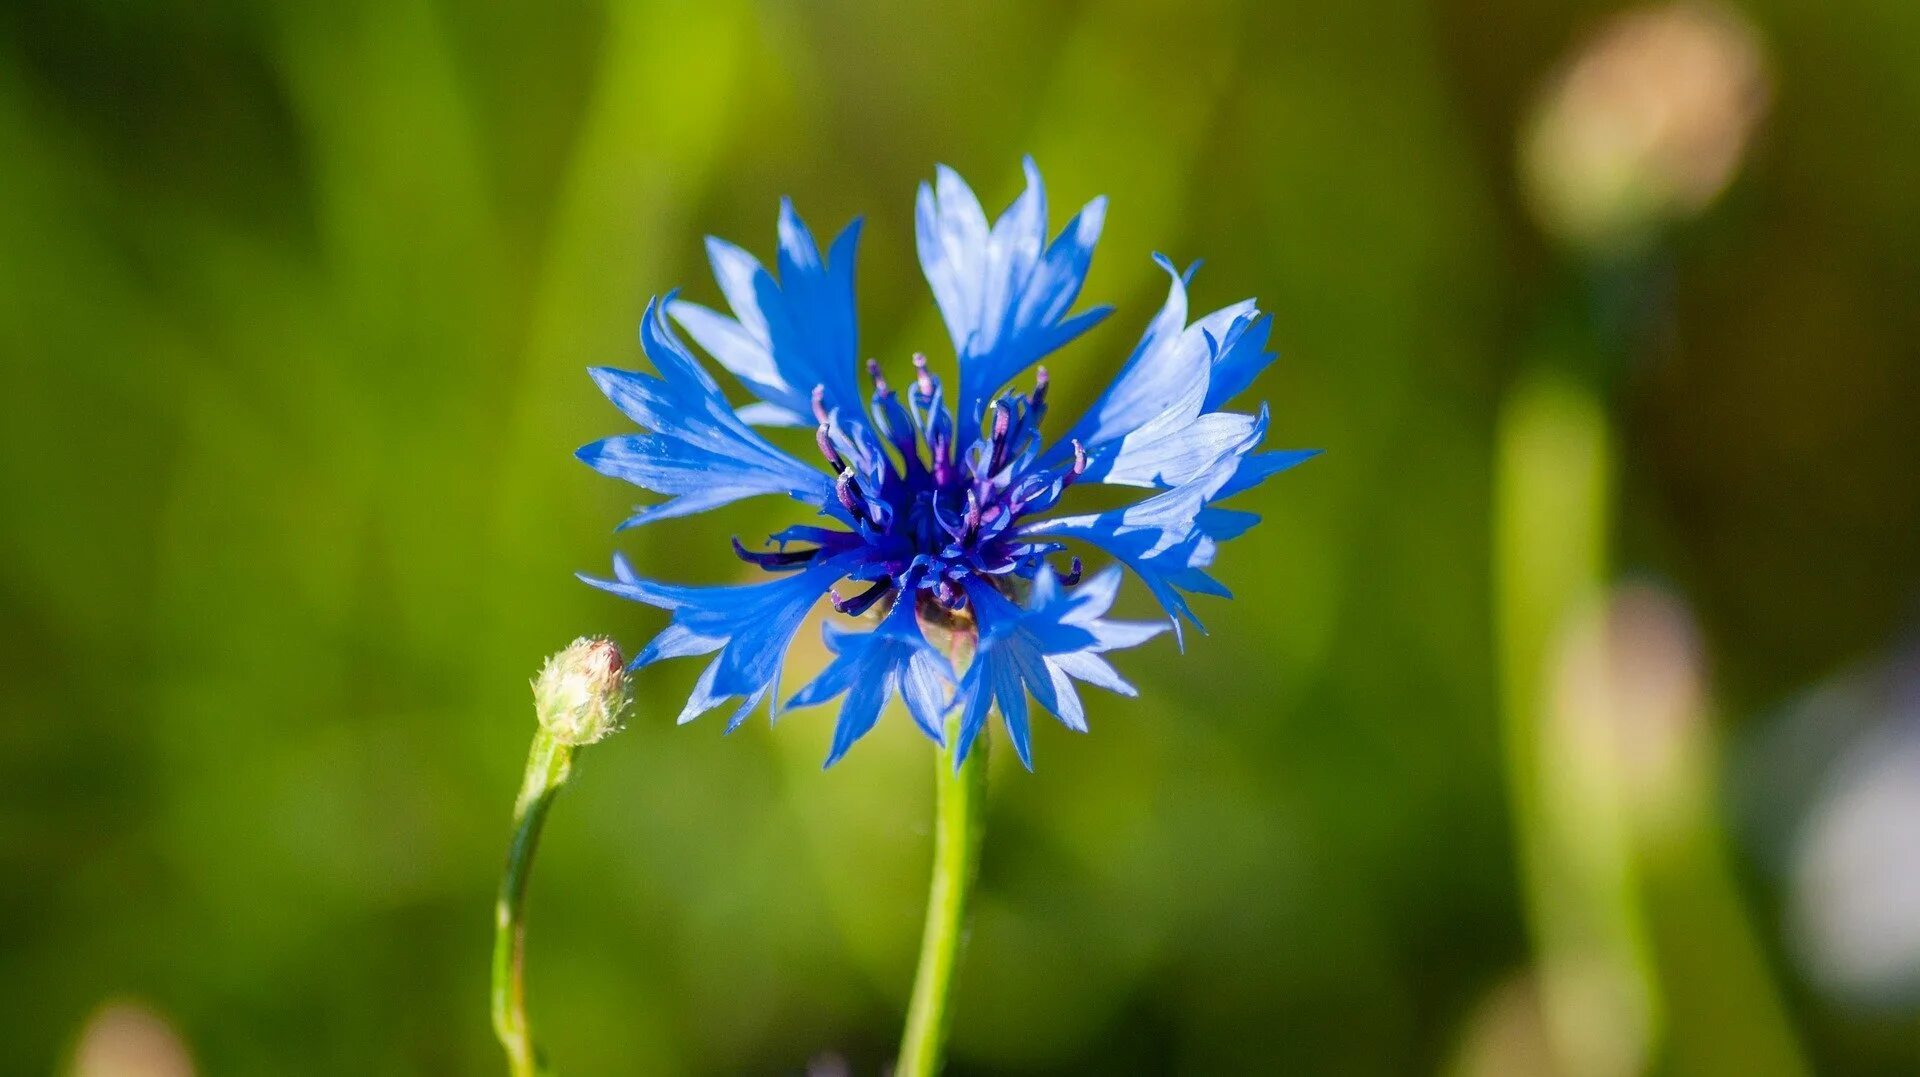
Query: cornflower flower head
x,y
936,514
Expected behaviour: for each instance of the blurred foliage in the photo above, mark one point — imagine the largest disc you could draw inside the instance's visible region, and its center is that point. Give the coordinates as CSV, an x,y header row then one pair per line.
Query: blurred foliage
x,y
297,303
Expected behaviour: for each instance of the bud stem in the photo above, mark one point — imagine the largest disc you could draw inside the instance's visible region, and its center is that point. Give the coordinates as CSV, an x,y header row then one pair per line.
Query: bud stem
x,y
960,798
548,764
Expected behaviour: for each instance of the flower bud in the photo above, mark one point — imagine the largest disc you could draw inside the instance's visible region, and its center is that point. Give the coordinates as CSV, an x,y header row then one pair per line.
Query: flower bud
x,y
582,692
1647,124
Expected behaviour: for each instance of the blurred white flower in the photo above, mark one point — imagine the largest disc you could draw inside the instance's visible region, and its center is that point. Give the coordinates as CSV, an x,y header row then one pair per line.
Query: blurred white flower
x,y
1831,795
1854,905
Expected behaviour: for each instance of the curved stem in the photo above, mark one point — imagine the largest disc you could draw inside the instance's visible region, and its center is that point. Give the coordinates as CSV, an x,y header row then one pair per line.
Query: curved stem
x,y
548,763
960,797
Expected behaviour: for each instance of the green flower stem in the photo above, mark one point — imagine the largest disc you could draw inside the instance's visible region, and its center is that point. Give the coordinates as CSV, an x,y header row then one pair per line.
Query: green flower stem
x,y
960,799
548,764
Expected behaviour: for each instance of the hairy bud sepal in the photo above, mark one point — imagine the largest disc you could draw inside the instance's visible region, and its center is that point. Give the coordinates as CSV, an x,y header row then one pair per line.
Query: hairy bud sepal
x,y
582,692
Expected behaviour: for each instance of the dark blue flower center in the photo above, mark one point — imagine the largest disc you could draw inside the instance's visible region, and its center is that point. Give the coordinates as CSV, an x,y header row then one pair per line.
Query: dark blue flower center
x,y
929,509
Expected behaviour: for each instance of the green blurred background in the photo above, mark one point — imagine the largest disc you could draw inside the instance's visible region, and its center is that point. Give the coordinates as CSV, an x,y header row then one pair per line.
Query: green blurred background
x,y
295,304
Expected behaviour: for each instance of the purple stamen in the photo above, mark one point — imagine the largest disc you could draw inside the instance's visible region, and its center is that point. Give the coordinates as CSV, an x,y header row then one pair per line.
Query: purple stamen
x,y
820,404
973,515
862,602
772,561
879,383
823,438
942,462
1002,422
949,595
922,378
1039,388
850,496
1073,574
1079,461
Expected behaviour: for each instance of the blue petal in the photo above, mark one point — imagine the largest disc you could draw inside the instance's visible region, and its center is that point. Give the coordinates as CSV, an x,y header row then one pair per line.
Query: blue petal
x,y
1095,670
745,355
1241,356
751,625
702,479
1155,425
699,451
870,667
1040,650
1010,691
1003,292
975,698
1260,467
1169,538
789,335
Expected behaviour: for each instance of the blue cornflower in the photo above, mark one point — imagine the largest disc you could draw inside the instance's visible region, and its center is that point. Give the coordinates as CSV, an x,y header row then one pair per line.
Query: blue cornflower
x,y
937,515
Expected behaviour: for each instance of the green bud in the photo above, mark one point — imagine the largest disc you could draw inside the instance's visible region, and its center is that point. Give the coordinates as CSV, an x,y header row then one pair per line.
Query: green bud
x,y
582,692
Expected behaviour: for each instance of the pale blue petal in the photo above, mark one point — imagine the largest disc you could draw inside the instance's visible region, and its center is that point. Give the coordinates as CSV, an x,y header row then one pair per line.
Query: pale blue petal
x,y
1154,426
1242,356
1158,537
1260,467
1003,292
1095,670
